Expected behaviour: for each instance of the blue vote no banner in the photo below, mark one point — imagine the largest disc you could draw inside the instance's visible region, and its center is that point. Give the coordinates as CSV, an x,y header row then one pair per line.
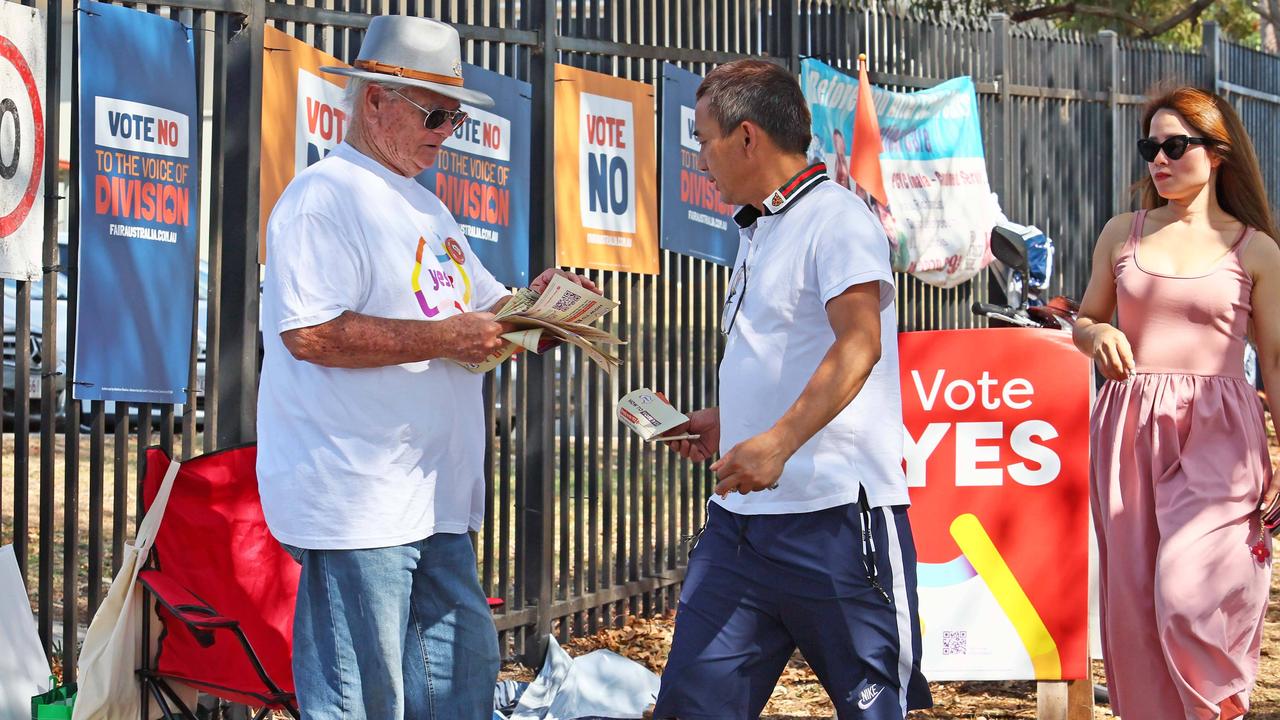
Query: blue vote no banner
x,y
139,214
695,221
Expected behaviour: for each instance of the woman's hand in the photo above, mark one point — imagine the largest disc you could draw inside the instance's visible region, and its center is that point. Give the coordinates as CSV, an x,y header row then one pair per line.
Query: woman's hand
x,y
1112,353
1270,505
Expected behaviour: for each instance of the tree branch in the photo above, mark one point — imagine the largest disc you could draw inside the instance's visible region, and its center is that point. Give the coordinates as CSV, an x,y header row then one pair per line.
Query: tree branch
x,y
1148,29
1073,8
1192,12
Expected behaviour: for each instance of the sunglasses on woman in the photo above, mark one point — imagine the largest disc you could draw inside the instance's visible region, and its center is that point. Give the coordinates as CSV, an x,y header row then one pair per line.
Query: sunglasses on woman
x,y
1173,147
437,117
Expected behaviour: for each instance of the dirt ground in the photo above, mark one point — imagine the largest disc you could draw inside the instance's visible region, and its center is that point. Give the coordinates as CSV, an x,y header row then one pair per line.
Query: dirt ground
x,y
800,696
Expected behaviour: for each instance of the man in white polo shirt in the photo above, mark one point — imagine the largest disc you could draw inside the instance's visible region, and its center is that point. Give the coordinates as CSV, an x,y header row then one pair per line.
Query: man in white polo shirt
x,y
807,542
371,435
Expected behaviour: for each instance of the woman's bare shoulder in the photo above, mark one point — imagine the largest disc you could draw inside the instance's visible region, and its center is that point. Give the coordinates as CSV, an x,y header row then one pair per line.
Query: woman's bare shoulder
x,y
1113,235
1261,257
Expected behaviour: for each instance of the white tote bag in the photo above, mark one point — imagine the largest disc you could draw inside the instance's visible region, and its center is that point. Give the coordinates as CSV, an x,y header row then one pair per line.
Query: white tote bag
x,y
24,670
108,687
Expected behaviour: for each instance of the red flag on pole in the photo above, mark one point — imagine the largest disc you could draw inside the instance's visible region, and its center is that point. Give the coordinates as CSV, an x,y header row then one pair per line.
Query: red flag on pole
x,y
864,160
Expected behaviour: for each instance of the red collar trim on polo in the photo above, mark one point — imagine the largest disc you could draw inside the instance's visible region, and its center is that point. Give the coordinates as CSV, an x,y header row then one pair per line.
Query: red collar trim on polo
x,y
779,200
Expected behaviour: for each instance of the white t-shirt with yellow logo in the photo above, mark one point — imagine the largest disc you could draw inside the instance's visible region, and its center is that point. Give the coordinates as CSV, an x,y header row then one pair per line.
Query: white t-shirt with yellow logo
x,y
379,456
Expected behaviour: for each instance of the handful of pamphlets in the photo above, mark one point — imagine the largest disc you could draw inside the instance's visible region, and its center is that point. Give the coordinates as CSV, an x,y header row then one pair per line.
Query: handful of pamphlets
x,y
564,312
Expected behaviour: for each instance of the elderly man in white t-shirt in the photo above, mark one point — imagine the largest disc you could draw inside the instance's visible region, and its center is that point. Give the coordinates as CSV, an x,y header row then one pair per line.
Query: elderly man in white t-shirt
x,y
807,542
371,435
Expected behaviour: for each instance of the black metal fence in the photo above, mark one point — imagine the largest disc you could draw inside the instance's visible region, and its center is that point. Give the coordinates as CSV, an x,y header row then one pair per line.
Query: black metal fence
x,y
584,524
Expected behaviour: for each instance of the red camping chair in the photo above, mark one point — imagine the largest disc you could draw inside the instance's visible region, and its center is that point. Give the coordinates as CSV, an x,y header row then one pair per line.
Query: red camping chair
x,y
225,588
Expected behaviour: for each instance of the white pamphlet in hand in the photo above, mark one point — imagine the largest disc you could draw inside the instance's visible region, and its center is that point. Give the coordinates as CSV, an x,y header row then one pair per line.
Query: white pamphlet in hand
x,y
650,416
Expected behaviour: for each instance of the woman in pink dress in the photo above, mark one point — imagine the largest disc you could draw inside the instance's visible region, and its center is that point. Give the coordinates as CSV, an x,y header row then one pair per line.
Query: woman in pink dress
x,y
1180,466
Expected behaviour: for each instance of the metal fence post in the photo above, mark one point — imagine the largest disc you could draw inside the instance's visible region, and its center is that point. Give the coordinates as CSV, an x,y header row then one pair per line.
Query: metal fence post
x,y
791,26
537,489
1212,50
855,35
1111,58
49,330
237,349
71,457
1002,133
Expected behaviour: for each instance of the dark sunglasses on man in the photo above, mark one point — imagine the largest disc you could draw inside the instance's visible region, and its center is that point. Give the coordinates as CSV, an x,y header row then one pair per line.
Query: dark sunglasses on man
x,y
438,116
1173,147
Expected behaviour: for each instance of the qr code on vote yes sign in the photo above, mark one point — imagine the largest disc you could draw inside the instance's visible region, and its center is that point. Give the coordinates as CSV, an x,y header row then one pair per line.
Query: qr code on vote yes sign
x,y
955,642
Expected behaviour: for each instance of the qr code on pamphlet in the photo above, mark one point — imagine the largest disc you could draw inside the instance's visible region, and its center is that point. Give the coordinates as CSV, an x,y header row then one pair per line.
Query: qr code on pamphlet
x,y
955,642
566,302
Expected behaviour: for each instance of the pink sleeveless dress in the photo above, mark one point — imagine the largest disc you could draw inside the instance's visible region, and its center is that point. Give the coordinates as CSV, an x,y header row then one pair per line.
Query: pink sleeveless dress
x,y
1179,463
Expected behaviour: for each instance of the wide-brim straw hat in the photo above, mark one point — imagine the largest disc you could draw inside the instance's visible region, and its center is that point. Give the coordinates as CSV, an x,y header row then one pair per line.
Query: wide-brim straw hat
x,y
413,51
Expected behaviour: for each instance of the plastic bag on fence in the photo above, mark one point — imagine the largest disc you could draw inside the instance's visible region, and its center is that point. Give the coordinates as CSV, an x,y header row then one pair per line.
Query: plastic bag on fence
x,y
24,670
600,685
56,704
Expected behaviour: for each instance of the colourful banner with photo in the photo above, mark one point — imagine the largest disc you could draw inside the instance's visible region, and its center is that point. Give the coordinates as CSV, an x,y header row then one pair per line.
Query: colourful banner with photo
x,y
997,459
695,221
303,117
606,172
140,209
22,52
482,175
940,207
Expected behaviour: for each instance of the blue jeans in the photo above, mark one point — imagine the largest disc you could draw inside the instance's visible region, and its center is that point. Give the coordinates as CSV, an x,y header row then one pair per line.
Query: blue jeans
x,y
394,633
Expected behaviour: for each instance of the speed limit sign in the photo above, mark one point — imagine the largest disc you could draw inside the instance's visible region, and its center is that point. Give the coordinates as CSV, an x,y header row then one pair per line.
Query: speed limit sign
x,y
22,140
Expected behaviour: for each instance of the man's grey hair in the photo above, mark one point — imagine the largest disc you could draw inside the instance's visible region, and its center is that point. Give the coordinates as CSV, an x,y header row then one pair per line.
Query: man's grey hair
x,y
353,92
764,93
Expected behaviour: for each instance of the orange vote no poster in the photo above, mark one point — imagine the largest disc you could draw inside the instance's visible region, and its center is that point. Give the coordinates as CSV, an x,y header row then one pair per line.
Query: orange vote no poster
x,y
997,457
302,116
606,172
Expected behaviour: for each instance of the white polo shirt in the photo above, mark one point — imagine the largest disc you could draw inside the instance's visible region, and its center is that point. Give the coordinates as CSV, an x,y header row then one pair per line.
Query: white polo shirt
x,y
367,457
815,240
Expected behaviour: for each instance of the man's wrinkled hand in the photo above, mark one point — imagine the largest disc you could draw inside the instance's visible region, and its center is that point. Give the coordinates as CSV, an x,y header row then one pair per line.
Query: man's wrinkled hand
x,y
475,336
752,465
541,282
